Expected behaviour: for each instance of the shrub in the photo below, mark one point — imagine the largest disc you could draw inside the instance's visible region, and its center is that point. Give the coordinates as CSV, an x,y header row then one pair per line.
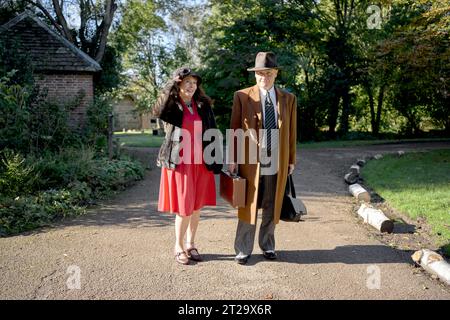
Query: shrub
x,y
29,212
62,167
31,123
14,114
48,124
74,178
96,128
16,176
69,165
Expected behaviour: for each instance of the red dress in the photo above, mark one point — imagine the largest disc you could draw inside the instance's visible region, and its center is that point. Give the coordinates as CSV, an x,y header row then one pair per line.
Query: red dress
x,y
189,186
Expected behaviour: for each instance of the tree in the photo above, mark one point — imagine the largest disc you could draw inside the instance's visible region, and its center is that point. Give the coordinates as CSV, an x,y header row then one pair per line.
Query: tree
x,y
95,18
9,8
342,22
232,35
149,57
416,59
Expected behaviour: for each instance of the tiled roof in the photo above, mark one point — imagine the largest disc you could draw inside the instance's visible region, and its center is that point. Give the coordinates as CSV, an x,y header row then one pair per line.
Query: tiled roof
x,y
48,50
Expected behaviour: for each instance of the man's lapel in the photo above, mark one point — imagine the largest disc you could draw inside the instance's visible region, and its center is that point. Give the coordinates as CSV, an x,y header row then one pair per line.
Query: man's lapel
x,y
255,104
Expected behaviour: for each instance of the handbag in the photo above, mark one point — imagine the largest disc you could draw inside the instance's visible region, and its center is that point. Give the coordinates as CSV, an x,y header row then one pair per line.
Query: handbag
x,y
233,189
293,208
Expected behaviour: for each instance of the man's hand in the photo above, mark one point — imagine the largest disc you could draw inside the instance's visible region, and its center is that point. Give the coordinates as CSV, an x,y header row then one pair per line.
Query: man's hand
x,y
232,167
291,169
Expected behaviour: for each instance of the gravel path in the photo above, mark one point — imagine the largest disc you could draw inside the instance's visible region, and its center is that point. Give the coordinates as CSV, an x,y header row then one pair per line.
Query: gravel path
x,y
123,249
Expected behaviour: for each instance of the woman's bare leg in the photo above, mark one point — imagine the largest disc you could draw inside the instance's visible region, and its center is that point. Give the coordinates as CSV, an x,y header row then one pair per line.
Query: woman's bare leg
x,y
181,225
191,231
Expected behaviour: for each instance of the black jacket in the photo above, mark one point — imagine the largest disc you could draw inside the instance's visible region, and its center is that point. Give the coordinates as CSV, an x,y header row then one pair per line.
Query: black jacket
x,y
170,110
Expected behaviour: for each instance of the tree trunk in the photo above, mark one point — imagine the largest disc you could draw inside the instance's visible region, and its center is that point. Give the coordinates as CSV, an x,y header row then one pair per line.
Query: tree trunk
x,y
372,107
103,30
447,127
332,116
376,128
376,218
351,178
306,115
359,192
47,14
62,21
433,263
84,14
345,110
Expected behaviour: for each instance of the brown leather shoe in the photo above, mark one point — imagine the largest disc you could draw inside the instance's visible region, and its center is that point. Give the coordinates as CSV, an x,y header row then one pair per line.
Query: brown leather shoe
x,y
193,254
181,258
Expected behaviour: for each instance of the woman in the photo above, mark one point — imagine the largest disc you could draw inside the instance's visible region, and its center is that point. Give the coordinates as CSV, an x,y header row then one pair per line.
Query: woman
x,y
187,183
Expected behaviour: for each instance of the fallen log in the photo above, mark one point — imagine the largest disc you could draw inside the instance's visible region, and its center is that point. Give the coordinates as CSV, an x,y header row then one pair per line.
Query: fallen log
x,y
378,156
359,192
433,263
354,168
376,218
351,178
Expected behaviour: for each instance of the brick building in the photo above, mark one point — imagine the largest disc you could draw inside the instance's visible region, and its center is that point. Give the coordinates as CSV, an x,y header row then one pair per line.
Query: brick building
x,y
60,68
127,118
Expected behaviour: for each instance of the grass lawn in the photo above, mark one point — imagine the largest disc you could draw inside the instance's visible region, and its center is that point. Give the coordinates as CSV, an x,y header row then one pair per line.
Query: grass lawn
x,y
355,143
417,184
138,139
146,139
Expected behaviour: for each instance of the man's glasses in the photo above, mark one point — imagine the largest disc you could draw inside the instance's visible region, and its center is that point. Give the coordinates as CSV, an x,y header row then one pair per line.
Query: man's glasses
x,y
267,74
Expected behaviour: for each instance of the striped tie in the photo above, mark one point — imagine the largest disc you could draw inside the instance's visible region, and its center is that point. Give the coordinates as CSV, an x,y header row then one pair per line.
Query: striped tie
x,y
269,120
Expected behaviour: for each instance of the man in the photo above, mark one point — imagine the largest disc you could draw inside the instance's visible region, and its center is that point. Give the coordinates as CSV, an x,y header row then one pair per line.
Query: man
x,y
271,114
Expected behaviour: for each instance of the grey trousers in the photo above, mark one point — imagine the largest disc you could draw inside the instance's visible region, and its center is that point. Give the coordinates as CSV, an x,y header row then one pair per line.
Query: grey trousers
x,y
245,234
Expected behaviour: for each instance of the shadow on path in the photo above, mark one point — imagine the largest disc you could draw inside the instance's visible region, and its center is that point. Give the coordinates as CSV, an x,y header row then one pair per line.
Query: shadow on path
x,y
351,254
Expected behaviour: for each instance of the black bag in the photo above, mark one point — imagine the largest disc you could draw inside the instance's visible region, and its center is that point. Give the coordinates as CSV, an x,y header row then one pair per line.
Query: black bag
x,y
293,208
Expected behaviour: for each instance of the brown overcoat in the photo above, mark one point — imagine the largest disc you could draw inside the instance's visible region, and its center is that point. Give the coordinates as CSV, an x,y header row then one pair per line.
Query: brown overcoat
x,y
247,114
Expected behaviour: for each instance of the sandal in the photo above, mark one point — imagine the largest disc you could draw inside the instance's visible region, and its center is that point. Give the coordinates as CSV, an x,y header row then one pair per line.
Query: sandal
x,y
193,254
181,258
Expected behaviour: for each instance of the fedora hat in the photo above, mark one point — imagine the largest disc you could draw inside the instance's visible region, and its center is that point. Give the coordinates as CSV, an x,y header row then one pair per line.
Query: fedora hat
x,y
265,61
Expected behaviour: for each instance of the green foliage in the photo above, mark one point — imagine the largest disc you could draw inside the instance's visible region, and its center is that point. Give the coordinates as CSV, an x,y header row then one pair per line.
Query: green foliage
x,y
96,128
83,165
31,123
110,77
15,66
343,72
14,114
414,60
49,127
235,32
16,176
9,8
110,175
35,191
61,168
28,212
148,58
139,20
